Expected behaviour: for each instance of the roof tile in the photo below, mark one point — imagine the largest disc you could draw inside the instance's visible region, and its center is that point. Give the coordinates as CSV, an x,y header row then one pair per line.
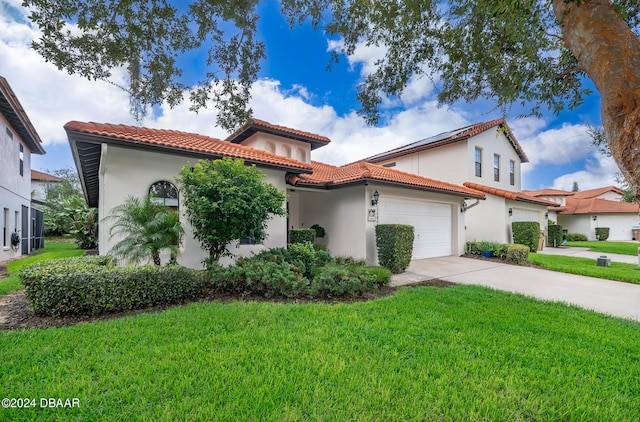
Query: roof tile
x,y
598,206
184,141
514,196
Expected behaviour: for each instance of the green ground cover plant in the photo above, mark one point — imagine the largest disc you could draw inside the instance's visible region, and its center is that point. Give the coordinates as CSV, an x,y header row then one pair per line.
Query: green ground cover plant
x,y
457,353
585,266
624,248
53,248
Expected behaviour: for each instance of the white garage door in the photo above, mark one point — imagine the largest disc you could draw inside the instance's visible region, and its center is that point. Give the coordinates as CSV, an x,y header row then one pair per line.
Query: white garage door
x,y
520,214
431,222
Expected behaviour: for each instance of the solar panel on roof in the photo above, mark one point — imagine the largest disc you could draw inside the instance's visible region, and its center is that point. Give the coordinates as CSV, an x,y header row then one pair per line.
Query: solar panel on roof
x,y
422,142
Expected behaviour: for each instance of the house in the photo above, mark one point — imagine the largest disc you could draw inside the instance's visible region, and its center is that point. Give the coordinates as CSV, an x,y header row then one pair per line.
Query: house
x,y
18,140
115,161
582,212
40,185
485,157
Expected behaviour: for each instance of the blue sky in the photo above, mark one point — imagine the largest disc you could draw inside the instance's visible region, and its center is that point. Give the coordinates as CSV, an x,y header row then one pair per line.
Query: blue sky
x,y
295,89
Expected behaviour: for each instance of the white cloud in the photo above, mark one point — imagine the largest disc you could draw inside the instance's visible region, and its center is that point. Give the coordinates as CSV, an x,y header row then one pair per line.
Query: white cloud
x,y
598,173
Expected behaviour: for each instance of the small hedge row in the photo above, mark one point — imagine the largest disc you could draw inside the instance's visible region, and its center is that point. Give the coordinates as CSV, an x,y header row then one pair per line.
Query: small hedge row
x,y
93,285
297,272
395,246
577,237
526,233
302,235
518,254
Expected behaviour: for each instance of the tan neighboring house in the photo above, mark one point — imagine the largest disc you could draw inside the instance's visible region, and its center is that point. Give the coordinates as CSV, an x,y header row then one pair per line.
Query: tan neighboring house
x,y
582,212
485,157
18,140
115,161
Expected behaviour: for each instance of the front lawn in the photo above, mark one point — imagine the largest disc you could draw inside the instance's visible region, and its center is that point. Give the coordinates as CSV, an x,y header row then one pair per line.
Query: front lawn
x,y
624,248
586,266
457,353
53,248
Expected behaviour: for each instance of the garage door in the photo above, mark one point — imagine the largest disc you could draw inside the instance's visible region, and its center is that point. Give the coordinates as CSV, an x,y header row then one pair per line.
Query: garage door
x,y
520,214
431,222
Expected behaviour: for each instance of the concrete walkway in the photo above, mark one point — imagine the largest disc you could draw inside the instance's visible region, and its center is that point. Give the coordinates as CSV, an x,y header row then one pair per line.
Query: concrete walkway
x,y
585,253
605,296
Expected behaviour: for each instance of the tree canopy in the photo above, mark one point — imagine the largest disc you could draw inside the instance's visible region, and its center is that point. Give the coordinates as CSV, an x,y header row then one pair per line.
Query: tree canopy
x,y
535,53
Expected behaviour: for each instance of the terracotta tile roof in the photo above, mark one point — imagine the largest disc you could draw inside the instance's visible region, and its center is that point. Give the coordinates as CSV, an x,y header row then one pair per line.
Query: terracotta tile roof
x,y
548,192
514,196
598,206
450,137
327,176
44,177
256,125
181,141
13,111
592,193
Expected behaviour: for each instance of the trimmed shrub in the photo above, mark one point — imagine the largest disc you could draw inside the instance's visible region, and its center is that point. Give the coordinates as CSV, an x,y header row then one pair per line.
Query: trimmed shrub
x,y
602,233
303,255
301,236
255,276
577,237
472,248
353,280
395,246
320,232
517,254
93,285
555,235
526,233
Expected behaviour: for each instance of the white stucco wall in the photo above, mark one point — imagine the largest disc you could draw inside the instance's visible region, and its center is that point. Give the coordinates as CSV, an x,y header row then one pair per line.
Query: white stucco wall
x,y
578,224
127,172
15,189
611,196
492,142
620,224
488,221
290,148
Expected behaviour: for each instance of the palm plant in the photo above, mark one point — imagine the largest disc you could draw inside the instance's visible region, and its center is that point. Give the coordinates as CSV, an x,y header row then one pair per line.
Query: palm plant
x,y
146,228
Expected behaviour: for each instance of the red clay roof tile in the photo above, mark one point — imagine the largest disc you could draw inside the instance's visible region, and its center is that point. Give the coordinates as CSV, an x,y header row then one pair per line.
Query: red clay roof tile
x,y
256,125
592,193
325,175
514,196
598,206
44,177
184,141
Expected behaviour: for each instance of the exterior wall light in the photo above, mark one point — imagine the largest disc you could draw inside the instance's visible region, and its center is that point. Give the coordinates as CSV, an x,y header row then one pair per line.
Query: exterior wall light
x,y
376,196
595,217
510,212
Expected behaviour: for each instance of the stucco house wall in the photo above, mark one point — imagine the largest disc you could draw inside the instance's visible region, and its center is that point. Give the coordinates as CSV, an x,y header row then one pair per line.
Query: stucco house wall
x,y
126,171
492,142
289,148
488,221
15,189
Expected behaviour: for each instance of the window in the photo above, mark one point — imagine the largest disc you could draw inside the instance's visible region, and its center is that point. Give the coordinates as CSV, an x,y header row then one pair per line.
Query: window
x,y
9,133
478,162
165,193
512,172
21,160
248,240
5,228
496,167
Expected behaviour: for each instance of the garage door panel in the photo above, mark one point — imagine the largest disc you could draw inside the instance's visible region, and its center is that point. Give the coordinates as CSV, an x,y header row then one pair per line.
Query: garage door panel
x,y
431,222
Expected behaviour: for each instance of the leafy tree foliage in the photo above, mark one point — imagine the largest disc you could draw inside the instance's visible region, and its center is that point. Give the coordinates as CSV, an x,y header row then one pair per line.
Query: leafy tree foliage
x,y
225,201
534,53
146,228
575,187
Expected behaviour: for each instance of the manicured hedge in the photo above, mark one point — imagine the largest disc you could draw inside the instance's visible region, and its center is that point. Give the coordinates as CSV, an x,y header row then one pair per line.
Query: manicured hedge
x,y
517,254
93,285
602,233
395,246
526,233
577,237
555,235
302,235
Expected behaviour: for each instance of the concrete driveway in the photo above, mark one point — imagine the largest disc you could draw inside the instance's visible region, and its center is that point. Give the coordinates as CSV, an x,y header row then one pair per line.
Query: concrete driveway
x,y
605,296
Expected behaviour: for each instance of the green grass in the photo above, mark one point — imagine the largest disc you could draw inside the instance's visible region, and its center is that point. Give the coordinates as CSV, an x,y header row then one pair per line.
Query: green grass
x,y
586,266
53,248
461,353
624,248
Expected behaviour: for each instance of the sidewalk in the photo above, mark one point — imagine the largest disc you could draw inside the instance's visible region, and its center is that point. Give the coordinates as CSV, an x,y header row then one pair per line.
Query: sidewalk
x,y
609,297
585,253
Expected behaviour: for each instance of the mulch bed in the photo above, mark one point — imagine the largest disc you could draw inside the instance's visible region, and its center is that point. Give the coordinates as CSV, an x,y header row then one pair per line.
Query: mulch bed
x,y
502,261
15,314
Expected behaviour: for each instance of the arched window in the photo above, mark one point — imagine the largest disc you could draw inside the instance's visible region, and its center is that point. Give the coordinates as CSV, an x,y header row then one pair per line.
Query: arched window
x,y
165,193
302,155
270,147
286,150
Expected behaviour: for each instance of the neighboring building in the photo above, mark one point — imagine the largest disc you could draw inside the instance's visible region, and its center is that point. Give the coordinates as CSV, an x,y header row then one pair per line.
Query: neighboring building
x,y
18,140
115,161
485,157
582,212
40,185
